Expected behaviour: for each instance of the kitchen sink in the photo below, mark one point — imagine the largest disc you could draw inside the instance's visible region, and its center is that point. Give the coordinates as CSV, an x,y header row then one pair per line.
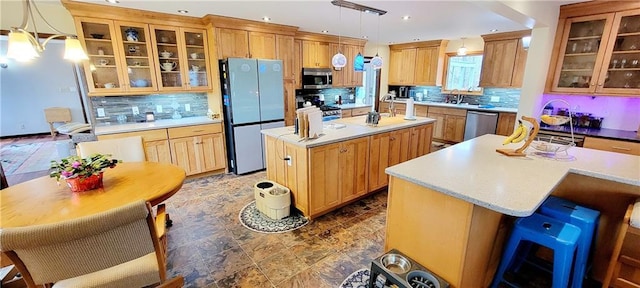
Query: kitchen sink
x,y
385,120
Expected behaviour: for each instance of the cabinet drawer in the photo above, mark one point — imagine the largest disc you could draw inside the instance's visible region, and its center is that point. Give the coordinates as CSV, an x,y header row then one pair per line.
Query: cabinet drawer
x,y
421,110
148,135
360,111
448,111
612,145
346,113
196,130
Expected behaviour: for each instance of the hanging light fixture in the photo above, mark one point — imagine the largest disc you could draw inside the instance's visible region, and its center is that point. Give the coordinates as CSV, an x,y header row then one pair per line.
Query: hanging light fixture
x,y
376,61
462,50
339,60
358,62
23,46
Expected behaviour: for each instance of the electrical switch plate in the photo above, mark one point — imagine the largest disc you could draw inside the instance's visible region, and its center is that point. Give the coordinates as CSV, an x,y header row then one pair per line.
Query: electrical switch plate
x,y
187,107
135,110
101,112
159,108
495,99
425,91
288,160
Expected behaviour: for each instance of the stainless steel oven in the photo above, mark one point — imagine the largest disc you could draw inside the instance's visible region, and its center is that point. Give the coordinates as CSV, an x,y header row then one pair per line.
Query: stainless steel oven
x,y
316,78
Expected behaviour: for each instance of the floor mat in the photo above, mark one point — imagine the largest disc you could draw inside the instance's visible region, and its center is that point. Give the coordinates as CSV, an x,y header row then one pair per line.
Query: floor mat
x,y
254,220
360,279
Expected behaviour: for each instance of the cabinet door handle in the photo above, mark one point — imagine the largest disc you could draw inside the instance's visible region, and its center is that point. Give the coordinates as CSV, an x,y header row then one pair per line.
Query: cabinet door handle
x,y
600,84
198,130
621,148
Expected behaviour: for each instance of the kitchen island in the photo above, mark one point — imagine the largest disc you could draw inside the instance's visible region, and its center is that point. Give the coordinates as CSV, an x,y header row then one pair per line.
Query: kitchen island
x,y
450,210
346,162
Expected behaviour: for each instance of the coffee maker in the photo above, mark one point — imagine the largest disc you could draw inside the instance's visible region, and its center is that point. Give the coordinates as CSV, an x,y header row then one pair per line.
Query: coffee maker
x,y
401,91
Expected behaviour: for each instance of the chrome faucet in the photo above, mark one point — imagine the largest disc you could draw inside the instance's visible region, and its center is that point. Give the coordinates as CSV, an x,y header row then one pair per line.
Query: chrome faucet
x,y
459,96
390,96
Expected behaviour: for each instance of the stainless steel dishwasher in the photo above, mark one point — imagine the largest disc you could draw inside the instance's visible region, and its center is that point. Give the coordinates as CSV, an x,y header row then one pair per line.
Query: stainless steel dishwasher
x,y
480,123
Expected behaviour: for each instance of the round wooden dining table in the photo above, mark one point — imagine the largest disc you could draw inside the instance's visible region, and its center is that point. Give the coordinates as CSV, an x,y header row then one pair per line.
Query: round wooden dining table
x,y
44,200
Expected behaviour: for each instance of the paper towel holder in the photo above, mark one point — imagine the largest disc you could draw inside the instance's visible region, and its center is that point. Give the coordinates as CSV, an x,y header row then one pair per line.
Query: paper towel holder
x,y
409,113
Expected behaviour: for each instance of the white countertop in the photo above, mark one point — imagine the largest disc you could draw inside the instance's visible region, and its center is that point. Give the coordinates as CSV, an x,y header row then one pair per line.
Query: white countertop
x,y
355,128
158,124
473,171
461,106
352,105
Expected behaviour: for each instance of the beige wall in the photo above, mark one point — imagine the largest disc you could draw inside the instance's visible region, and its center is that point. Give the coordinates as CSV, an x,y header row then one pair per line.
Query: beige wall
x,y
371,49
11,16
472,44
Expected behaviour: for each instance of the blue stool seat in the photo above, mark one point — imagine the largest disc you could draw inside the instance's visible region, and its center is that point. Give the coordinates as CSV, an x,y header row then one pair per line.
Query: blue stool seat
x,y
586,219
556,235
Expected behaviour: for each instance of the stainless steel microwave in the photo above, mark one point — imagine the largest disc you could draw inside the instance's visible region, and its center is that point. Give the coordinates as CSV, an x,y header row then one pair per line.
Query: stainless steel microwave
x,y
316,78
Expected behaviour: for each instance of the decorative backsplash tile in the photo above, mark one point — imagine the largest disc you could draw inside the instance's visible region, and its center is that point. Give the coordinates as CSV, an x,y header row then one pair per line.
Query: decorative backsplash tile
x,y
507,97
119,109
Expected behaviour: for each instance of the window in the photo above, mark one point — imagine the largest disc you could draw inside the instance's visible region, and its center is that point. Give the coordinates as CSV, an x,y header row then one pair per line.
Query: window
x,y
463,73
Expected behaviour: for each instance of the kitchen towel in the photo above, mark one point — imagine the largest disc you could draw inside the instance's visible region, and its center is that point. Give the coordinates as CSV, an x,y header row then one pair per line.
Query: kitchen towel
x,y
408,115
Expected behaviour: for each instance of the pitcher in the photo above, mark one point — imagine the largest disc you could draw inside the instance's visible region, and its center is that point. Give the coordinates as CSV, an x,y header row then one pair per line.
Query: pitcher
x,y
168,66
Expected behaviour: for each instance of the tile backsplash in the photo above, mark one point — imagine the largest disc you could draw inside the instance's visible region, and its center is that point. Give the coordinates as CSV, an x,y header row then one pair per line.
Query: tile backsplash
x,y
504,97
119,109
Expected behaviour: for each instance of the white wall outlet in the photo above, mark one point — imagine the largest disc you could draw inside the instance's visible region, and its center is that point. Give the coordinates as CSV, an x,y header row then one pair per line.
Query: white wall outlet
x,y
135,110
495,99
187,107
159,108
101,112
425,91
288,160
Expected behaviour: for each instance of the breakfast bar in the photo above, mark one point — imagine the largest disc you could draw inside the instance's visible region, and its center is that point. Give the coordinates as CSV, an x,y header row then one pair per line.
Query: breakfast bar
x,y
450,210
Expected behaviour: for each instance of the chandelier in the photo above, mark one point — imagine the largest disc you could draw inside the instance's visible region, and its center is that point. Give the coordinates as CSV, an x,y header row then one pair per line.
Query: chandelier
x,y
24,47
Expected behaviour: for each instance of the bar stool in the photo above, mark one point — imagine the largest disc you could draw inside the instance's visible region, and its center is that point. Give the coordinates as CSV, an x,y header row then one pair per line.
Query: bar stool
x,y
586,219
559,236
624,269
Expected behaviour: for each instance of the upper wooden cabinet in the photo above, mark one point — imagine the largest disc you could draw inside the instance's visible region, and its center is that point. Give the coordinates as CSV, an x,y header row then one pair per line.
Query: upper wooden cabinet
x,y
285,51
181,57
117,64
347,76
315,54
504,60
419,63
597,50
245,44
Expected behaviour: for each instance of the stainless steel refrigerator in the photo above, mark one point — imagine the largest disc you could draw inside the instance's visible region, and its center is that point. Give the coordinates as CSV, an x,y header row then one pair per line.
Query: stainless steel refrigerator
x,y
253,100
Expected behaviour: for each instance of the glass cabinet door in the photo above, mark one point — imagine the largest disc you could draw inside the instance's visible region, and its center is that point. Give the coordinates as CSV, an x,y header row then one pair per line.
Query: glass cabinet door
x,y
134,41
622,75
583,53
101,69
197,55
169,68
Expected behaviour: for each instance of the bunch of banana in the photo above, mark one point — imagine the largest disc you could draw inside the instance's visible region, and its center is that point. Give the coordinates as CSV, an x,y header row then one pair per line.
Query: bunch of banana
x,y
549,120
518,134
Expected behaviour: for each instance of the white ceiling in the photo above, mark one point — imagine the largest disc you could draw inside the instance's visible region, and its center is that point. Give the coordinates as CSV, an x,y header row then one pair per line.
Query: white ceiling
x,y
429,20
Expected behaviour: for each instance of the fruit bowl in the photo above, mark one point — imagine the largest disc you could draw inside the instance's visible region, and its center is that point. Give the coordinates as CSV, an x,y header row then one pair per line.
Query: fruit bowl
x,y
554,119
552,144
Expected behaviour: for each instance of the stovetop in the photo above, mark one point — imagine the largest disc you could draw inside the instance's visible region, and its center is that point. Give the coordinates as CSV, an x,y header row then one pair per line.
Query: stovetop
x,y
329,108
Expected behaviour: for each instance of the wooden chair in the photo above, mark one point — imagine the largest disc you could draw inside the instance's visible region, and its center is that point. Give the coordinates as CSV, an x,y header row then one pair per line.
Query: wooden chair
x,y
624,266
56,114
128,149
176,282
115,248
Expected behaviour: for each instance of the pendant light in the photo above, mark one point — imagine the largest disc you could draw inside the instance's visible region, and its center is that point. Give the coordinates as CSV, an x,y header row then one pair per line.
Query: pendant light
x,y
462,50
23,46
358,62
376,61
339,60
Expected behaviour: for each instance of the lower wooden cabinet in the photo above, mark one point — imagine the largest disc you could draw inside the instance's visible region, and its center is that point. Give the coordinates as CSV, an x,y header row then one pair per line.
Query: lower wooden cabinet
x,y
388,149
197,149
420,143
339,173
506,123
449,123
626,147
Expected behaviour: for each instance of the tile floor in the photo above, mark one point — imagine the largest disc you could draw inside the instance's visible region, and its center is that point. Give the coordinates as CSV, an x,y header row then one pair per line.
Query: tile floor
x,y
210,248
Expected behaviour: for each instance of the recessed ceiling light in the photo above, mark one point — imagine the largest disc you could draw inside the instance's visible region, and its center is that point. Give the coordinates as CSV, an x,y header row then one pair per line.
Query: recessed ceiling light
x,y
391,42
325,31
182,11
365,37
493,30
416,39
112,1
406,17
266,19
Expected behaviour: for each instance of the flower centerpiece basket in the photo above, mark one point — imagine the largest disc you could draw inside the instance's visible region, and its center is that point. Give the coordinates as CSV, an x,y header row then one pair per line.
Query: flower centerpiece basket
x,y
82,174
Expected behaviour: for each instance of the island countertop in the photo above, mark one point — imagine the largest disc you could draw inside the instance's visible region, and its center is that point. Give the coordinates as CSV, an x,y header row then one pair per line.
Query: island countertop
x,y
355,127
473,171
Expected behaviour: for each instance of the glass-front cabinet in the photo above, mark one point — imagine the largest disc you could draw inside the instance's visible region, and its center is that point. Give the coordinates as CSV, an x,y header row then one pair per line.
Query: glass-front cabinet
x,y
181,58
600,54
119,56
